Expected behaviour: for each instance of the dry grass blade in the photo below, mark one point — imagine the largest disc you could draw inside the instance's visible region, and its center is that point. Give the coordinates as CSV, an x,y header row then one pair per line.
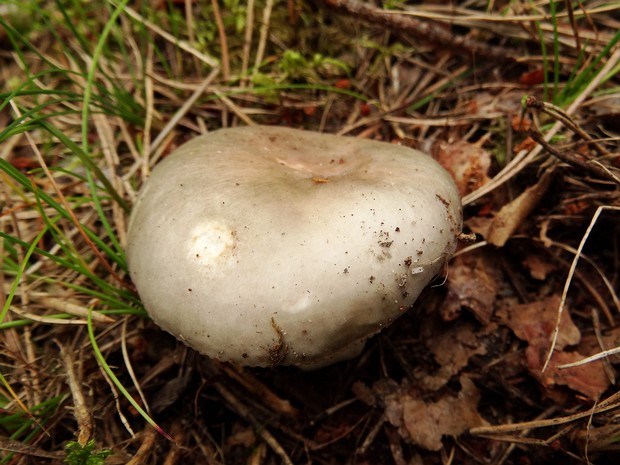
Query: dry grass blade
x,y
81,410
262,42
592,358
181,112
212,62
514,25
567,284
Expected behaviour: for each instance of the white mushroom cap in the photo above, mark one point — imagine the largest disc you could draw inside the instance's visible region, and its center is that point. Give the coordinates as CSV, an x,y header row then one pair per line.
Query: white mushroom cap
x,y
267,245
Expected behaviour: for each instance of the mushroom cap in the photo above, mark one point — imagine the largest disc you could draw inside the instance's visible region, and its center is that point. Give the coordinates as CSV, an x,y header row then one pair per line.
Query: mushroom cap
x,y
267,245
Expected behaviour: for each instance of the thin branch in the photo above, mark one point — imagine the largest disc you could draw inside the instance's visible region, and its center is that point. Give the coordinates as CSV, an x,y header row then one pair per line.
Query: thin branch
x,y
223,42
426,31
573,160
559,114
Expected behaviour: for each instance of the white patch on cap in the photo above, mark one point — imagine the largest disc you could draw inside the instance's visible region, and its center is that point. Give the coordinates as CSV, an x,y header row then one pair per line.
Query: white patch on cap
x,y
211,242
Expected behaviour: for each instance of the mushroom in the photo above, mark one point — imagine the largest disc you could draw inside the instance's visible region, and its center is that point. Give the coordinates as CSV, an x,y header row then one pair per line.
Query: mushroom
x,y
273,246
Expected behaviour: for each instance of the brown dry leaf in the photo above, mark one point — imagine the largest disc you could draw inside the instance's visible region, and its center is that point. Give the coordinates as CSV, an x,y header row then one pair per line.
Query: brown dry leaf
x,y
467,163
452,348
512,215
425,423
589,379
526,144
472,284
538,268
534,323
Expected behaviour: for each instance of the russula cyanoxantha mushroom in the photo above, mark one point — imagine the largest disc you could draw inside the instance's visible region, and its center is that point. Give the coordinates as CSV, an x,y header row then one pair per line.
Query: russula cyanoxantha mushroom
x,y
267,245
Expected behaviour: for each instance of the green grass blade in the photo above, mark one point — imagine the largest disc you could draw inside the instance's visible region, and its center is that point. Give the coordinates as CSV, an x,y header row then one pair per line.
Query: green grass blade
x,y
104,365
90,78
20,273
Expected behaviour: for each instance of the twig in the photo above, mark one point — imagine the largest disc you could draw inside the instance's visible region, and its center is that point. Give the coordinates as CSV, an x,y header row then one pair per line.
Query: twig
x,y
191,29
81,411
573,24
247,43
178,431
148,442
245,413
223,42
547,242
44,319
558,113
608,404
592,358
10,445
130,369
428,32
572,160
236,109
263,392
609,369
149,107
112,160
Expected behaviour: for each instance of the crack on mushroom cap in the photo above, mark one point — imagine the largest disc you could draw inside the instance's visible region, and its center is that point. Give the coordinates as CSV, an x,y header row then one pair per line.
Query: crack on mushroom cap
x,y
267,237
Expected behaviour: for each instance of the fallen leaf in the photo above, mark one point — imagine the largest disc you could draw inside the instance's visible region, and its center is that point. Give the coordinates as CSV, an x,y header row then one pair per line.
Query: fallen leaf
x,y
467,163
588,379
480,224
452,348
526,144
512,215
472,284
538,268
170,392
424,423
534,323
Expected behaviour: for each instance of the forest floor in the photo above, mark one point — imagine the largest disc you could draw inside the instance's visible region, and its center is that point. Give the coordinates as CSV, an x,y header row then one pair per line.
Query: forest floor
x,y
519,101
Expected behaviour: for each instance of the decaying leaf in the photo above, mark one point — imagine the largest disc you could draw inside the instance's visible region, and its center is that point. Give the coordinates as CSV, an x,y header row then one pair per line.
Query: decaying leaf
x,y
472,284
534,323
589,379
539,269
467,163
424,423
452,348
512,215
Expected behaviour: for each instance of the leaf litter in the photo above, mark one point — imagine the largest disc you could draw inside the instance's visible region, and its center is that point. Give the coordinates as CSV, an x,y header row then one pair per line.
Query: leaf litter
x,y
459,378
